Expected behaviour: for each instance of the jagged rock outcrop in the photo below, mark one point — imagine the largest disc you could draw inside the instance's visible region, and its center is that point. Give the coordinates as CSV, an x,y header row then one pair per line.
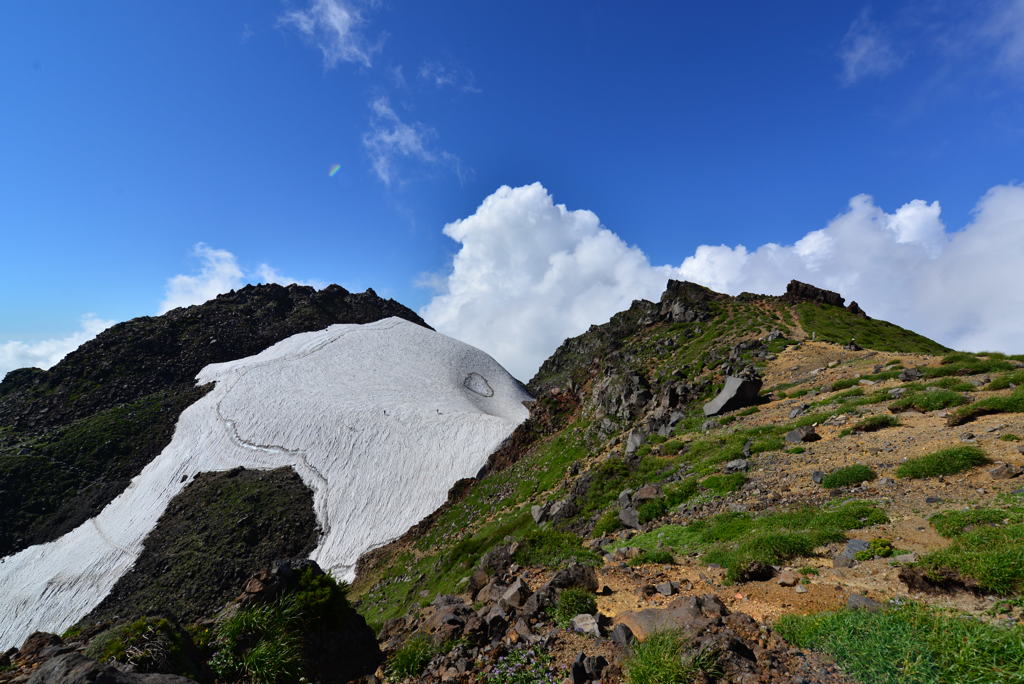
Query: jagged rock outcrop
x,y
797,291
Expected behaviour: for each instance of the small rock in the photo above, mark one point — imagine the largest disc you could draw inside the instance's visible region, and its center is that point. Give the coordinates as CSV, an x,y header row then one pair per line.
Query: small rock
x,y
630,518
622,635
817,476
667,588
862,602
586,624
1004,471
800,589
736,465
897,392
967,437
933,499
539,512
788,578
905,558
802,434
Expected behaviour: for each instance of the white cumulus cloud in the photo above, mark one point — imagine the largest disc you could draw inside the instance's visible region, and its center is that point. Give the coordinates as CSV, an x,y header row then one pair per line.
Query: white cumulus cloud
x,y
530,273
219,272
46,353
332,25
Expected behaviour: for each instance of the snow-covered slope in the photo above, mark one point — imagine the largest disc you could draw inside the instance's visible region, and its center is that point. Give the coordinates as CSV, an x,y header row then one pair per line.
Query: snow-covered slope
x,y
379,420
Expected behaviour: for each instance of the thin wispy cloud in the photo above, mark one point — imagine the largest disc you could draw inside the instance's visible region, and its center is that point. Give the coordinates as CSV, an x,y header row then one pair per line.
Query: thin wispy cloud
x,y
333,27
866,50
1004,27
447,76
390,142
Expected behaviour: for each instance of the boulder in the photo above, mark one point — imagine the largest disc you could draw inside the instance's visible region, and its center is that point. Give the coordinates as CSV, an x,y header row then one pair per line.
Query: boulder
x,y
622,635
74,668
629,517
737,393
1004,471
862,602
737,465
667,588
575,575
802,434
586,624
587,668
788,578
691,614
517,593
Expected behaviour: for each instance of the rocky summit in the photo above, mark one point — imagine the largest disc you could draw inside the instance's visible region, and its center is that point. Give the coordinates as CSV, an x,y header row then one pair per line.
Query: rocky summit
x,y
706,488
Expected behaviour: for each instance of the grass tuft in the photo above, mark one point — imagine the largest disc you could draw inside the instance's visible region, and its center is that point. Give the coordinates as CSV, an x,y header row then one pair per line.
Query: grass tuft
x,y
662,659
572,602
944,462
1012,403
850,475
928,401
911,644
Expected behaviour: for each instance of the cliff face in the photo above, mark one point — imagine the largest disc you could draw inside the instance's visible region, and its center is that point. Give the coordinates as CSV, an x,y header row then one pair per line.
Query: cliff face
x,y
72,437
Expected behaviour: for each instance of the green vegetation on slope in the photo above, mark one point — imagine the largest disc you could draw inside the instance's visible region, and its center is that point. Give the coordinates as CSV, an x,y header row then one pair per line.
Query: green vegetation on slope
x,y
839,326
911,644
740,541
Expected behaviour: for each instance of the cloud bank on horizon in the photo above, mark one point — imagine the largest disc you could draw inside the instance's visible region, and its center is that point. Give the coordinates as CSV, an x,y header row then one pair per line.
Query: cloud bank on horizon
x,y
530,273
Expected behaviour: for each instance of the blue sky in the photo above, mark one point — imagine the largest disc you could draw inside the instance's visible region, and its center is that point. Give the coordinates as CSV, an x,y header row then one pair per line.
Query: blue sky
x,y
135,131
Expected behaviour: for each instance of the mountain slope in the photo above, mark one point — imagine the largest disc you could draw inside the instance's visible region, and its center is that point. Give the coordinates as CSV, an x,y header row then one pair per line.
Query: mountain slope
x,y
72,437
618,463
377,419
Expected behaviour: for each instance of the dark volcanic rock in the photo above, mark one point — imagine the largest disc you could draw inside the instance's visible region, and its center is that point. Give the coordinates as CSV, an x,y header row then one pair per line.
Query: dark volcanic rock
x,y
217,532
74,668
737,393
802,292
80,431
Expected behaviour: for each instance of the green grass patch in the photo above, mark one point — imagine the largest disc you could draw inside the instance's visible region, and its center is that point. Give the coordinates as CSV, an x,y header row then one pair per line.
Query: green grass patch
x,y
966,366
955,523
911,644
1015,378
1009,437
987,546
953,384
796,450
572,602
720,485
874,423
944,462
661,557
928,401
737,540
839,326
411,658
551,548
663,659
850,475
1012,403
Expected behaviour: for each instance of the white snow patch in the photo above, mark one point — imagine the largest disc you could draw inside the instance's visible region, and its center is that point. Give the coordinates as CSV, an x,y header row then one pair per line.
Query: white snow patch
x,y
379,420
